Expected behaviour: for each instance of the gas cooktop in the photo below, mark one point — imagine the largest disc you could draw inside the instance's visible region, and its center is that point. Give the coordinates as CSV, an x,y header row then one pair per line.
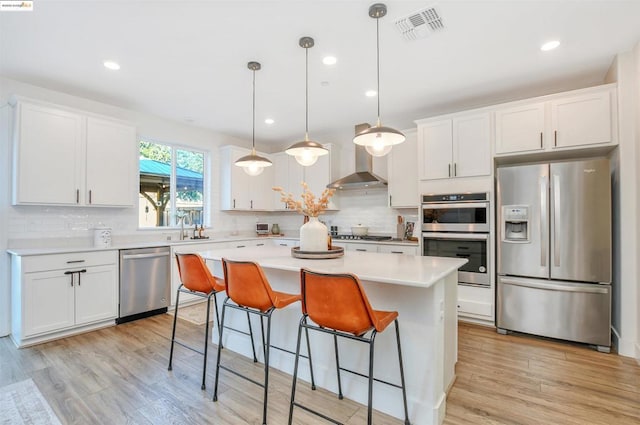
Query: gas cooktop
x,y
363,238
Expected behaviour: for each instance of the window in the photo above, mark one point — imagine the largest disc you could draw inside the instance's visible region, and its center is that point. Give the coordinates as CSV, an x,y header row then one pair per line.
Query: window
x,y
171,186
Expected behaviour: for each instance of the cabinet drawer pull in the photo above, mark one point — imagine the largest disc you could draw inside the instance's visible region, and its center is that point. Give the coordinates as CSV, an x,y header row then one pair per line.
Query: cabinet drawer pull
x,y
79,272
89,196
361,249
283,244
251,204
75,261
260,244
77,196
555,138
397,252
449,170
234,203
455,169
240,246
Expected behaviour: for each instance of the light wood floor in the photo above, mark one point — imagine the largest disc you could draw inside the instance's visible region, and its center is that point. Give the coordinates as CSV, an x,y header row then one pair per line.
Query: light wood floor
x,y
119,375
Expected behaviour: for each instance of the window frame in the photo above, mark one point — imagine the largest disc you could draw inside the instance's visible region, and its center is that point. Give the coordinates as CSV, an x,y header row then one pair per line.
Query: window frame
x,y
173,223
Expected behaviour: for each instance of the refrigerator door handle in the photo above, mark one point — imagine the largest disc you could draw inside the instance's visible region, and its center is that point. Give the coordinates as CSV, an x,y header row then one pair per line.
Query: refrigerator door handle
x,y
543,221
556,219
564,287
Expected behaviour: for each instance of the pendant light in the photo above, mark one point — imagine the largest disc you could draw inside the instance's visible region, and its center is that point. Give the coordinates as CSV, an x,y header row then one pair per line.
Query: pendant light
x,y
253,164
307,151
378,139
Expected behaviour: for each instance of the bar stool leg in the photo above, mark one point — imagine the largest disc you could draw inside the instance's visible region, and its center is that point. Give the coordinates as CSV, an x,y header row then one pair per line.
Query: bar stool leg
x,y
175,320
215,386
295,369
266,370
215,306
264,354
335,345
370,402
253,348
404,391
313,382
206,343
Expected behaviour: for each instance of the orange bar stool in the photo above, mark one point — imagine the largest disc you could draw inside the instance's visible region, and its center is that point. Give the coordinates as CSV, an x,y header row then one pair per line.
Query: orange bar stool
x,y
196,280
249,290
338,305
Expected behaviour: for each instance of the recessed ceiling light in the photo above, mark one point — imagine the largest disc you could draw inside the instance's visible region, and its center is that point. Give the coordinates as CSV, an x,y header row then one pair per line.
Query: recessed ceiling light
x,y
370,93
269,121
113,65
329,60
550,45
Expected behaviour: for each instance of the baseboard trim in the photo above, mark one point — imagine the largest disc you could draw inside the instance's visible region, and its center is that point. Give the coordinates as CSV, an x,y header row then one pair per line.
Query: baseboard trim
x,y
638,353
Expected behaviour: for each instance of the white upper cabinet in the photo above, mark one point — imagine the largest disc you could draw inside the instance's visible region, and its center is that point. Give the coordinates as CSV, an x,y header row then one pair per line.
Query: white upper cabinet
x,y
47,148
110,144
67,157
455,147
288,174
472,145
582,120
578,119
318,176
240,191
520,128
403,172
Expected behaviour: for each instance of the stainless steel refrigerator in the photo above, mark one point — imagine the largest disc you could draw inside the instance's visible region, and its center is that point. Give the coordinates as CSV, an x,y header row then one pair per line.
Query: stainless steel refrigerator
x,y
554,250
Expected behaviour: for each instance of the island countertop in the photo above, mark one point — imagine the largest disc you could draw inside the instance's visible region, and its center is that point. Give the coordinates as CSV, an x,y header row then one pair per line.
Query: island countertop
x,y
406,270
423,290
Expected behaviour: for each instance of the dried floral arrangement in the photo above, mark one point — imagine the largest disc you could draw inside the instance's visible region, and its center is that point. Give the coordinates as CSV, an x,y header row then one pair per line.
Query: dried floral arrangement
x,y
308,206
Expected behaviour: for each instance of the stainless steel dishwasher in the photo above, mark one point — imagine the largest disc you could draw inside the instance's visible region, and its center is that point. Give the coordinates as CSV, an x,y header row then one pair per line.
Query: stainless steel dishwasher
x,y
145,282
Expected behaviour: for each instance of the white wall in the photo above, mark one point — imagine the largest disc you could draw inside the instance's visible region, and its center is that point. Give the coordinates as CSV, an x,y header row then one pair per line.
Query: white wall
x,y
625,203
636,98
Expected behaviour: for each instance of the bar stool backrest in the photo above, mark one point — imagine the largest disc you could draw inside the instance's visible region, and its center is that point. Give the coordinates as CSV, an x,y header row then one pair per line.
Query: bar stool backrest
x,y
195,275
336,301
247,285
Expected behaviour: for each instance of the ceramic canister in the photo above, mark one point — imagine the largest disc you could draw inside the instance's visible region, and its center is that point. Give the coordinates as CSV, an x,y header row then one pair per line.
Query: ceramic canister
x,y
102,237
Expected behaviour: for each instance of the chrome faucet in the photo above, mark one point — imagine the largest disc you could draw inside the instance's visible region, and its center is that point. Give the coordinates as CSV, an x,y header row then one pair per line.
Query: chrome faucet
x,y
182,220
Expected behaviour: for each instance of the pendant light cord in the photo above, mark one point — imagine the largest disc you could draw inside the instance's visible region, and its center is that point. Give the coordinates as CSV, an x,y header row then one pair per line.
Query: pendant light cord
x,y
306,94
378,62
253,134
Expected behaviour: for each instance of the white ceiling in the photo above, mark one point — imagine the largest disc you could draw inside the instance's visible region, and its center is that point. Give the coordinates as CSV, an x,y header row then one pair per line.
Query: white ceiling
x,y
187,60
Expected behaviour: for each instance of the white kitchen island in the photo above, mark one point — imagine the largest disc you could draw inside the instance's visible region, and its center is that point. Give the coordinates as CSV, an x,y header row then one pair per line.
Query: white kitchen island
x,y
421,289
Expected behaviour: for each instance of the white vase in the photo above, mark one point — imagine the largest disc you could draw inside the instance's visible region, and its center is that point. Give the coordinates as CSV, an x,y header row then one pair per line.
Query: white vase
x,y
313,236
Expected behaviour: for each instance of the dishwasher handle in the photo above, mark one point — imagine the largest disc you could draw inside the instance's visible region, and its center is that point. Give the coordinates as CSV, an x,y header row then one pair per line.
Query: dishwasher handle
x,y
149,255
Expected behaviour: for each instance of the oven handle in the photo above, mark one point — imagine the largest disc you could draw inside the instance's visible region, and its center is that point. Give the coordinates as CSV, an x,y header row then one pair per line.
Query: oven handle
x,y
456,205
466,236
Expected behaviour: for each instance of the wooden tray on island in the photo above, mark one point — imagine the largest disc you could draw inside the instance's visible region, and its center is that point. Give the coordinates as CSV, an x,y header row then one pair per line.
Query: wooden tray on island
x,y
334,252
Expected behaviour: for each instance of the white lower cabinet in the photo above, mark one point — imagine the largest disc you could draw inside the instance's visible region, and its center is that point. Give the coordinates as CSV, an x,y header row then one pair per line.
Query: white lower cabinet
x,y
62,294
286,242
398,249
362,247
475,303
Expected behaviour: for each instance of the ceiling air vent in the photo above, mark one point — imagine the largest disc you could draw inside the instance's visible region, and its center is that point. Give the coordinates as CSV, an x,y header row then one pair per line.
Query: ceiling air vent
x,y
420,24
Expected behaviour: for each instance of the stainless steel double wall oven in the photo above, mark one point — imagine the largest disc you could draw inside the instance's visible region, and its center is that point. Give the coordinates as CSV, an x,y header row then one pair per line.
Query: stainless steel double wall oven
x,y
457,225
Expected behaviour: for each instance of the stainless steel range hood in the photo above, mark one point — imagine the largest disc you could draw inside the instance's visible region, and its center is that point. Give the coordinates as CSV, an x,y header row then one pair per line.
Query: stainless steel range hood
x,y
363,178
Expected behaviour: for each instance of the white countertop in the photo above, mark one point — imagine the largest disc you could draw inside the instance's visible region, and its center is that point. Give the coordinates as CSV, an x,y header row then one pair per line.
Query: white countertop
x,y
151,244
406,270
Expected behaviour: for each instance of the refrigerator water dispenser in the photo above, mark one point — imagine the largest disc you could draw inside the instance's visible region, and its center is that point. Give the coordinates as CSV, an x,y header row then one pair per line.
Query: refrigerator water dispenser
x,y
515,223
